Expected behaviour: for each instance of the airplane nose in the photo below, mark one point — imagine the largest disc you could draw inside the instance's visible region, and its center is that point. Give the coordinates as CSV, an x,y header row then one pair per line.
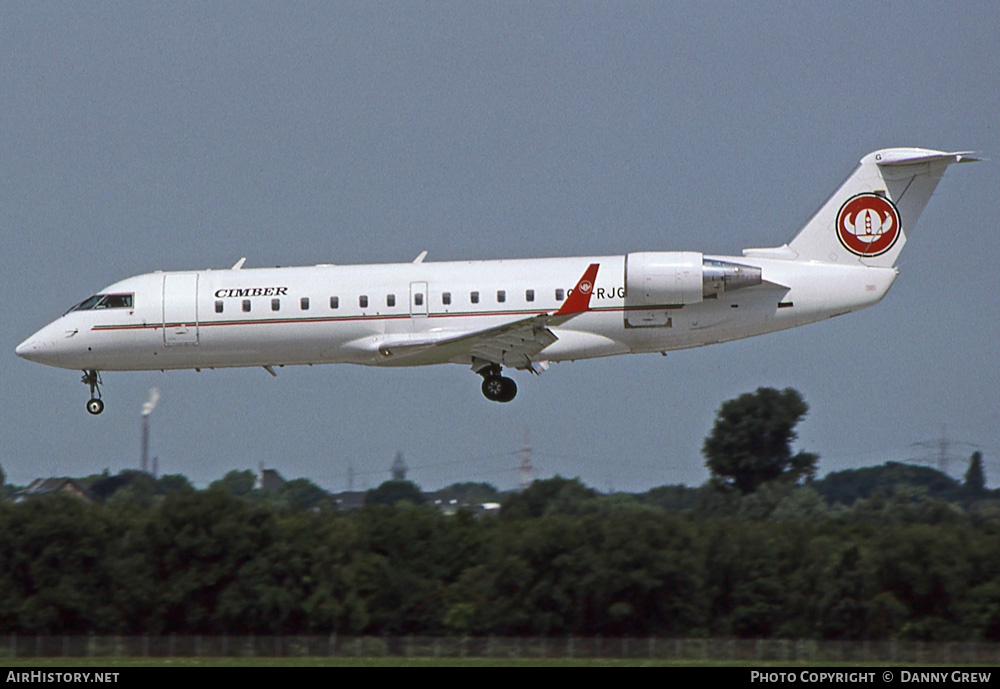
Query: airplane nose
x,y
44,347
28,349
24,347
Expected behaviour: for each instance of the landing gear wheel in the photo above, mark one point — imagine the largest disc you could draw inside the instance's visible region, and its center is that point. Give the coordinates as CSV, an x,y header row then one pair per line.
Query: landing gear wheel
x,y
93,379
499,389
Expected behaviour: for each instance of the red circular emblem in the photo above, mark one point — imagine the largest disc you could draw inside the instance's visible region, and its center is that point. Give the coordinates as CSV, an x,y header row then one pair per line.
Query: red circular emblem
x,y
868,225
584,287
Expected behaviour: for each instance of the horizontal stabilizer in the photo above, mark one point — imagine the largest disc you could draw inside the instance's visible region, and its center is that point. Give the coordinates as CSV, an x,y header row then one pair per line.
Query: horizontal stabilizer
x,y
913,156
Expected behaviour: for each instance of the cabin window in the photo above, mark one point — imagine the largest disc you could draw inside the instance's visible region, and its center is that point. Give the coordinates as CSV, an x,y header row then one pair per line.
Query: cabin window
x,y
275,304
363,301
218,306
246,305
390,300
418,299
446,298
501,295
474,297
304,303
334,302
560,294
529,295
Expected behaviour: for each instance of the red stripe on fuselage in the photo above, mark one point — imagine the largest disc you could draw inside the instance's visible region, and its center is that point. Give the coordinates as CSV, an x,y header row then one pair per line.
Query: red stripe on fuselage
x,y
386,317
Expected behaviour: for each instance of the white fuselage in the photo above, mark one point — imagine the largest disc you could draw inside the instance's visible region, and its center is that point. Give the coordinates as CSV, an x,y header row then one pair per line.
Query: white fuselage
x,y
514,313
343,314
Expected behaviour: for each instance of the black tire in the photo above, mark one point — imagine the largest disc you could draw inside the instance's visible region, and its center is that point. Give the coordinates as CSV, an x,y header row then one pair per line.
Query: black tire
x,y
95,406
492,388
499,389
509,390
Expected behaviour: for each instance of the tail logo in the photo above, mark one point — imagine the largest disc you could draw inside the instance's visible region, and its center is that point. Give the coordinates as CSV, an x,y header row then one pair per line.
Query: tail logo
x,y
868,225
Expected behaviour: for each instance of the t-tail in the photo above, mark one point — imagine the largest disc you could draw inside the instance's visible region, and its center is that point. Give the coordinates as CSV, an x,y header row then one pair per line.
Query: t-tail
x,y
868,219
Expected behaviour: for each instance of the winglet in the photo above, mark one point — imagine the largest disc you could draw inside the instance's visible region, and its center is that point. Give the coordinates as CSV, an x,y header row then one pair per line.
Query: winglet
x,y
578,299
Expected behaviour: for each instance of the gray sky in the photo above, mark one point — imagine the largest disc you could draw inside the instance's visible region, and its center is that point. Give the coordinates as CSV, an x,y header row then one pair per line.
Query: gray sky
x,y
144,136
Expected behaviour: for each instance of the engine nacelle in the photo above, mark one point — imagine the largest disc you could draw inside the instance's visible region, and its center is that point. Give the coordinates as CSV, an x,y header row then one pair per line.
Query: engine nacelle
x,y
663,278
659,282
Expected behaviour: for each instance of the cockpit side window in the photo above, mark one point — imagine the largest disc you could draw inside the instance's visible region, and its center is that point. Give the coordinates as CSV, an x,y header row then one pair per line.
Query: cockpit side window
x,y
115,301
105,301
86,304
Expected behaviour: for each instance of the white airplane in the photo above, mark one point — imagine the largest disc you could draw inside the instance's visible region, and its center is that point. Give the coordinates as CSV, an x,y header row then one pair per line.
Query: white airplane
x,y
520,314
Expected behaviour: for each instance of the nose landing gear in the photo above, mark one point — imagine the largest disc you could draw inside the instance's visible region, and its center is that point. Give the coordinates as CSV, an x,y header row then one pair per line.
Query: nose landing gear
x,y
93,379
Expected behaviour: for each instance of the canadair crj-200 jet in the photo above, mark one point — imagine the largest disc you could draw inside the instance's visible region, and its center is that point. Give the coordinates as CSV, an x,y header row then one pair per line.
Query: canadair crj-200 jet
x,y
521,314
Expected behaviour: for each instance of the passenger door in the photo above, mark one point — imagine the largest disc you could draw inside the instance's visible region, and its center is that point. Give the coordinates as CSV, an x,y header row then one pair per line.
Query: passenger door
x,y
180,309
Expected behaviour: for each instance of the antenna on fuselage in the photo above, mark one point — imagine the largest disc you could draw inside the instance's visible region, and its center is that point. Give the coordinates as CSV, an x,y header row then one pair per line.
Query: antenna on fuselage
x,y
239,263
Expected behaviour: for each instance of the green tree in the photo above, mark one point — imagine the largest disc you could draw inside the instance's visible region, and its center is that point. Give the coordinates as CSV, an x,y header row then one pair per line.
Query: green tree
x,y
391,492
141,492
750,442
975,479
802,504
982,611
238,483
58,568
105,486
303,494
671,498
556,495
843,604
848,486
173,483
469,493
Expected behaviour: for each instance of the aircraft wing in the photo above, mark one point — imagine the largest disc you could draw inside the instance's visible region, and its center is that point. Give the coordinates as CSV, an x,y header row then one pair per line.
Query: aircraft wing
x,y
511,344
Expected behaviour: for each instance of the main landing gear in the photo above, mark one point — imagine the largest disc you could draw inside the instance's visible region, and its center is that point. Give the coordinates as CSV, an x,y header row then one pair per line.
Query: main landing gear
x,y
497,388
93,379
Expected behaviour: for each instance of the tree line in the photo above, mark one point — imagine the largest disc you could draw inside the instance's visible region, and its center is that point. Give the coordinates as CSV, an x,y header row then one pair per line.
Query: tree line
x,y
557,560
892,552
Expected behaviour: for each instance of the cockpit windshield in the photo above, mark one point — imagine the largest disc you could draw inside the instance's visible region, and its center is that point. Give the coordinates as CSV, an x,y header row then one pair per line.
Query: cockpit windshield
x,y
104,301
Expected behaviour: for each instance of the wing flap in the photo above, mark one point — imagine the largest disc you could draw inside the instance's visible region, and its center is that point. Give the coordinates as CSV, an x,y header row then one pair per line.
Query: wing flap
x,y
511,344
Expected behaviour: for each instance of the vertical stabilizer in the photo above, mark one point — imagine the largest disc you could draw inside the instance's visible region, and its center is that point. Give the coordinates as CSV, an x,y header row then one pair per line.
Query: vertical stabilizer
x,y
868,219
